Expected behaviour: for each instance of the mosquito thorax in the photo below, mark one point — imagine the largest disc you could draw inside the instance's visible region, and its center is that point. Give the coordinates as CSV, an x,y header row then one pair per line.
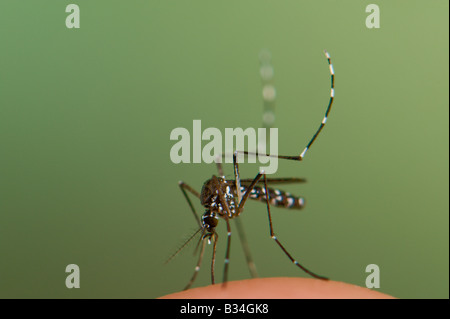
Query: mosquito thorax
x,y
210,193
218,195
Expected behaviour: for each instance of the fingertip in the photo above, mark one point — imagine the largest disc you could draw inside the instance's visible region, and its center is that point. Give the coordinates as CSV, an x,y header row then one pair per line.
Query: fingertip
x,y
280,288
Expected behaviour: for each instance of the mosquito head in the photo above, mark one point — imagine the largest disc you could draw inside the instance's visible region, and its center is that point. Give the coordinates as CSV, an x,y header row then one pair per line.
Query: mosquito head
x,y
209,221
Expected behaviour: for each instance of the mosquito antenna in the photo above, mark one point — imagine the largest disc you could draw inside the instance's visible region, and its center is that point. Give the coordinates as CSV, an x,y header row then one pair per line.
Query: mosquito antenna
x,y
202,237
184,245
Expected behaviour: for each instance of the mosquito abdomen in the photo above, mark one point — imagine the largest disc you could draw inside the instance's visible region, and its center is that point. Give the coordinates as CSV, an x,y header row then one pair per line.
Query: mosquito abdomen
x,y
277,197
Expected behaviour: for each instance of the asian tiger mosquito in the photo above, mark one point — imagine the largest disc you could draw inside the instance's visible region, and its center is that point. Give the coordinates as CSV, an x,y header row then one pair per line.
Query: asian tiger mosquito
x,y
225,199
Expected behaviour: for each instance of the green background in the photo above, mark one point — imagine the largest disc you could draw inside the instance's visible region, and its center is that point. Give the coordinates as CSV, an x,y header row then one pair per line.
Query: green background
x,y
86,114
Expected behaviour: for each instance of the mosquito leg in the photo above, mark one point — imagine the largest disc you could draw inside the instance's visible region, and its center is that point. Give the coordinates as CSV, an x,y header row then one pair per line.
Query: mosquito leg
x,y
227,215
219,166
227,255
322,124
185,187
330,103
276,180
237,178
197,267
240,228
248,257
247,193
213,261
272,235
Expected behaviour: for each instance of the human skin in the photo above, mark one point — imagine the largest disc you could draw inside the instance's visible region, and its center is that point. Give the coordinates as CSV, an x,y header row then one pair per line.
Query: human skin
x,y
280,288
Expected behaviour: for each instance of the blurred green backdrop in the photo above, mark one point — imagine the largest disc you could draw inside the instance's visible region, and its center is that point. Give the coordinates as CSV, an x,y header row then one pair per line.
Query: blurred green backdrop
x,y
85,118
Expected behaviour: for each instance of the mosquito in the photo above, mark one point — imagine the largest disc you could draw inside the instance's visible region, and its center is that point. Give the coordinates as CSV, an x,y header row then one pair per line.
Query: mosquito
x,y
224,198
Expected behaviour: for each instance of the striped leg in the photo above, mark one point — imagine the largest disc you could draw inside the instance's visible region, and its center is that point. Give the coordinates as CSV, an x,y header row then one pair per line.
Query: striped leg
x,y
219,166
227,255
243,239
237,178
272,235
248,192
197,267
322,124
244,242
226,217
213,261
330,103
211,236
185,187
